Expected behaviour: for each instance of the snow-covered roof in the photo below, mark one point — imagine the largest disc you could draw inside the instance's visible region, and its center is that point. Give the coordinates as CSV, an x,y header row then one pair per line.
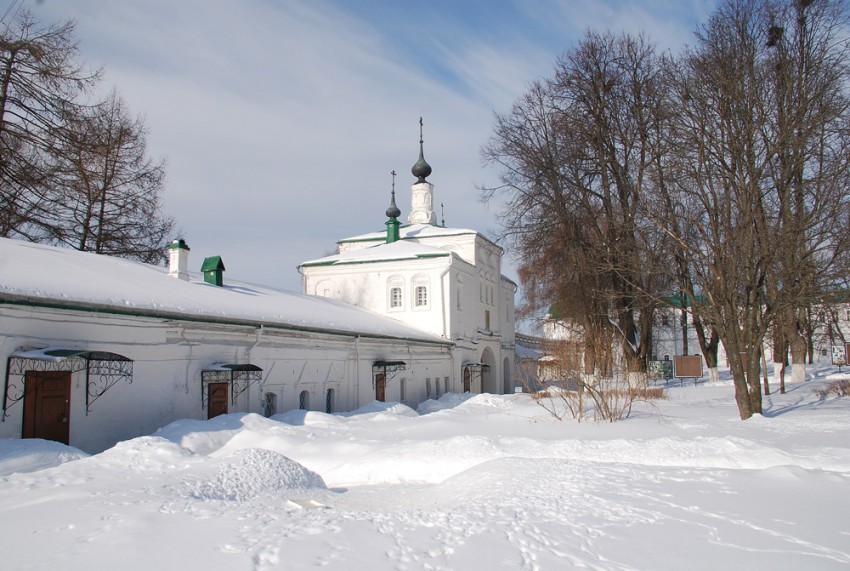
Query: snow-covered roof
x,y
395,251
39,274
412,231
523,352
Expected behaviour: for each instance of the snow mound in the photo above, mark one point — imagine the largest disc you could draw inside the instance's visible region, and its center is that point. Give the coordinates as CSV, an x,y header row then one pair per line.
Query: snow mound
x,y
206,436
33,454
486,400
381,410
300,417
146,454
448,400
249,473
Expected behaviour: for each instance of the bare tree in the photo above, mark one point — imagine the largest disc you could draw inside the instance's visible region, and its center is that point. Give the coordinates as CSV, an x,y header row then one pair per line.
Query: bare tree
x,y
763,174
112,189
809,68
578,153
40,81
72,173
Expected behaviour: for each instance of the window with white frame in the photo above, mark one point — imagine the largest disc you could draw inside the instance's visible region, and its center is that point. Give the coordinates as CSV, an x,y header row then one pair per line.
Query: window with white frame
x,y
420,291
421,296
395,297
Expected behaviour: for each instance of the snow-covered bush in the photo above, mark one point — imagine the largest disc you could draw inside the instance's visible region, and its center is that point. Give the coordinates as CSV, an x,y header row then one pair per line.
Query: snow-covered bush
x,y
839,388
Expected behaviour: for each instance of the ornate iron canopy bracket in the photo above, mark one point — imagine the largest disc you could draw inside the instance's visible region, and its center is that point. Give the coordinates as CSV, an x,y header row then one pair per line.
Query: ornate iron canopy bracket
x,y
103,371
389,368
238,376
475,371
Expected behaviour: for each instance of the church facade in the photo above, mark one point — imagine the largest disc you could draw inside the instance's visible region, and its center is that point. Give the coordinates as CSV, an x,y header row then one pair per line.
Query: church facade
x,y
443,281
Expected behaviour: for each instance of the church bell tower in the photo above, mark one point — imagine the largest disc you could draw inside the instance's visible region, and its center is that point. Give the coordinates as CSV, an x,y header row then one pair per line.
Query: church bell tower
x,y
422,207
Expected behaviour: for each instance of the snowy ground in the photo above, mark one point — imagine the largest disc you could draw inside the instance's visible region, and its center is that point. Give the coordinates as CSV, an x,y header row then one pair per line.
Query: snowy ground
x,y
481,482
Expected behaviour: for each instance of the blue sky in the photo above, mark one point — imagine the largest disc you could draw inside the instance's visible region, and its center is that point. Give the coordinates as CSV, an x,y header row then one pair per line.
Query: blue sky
x,y
280,120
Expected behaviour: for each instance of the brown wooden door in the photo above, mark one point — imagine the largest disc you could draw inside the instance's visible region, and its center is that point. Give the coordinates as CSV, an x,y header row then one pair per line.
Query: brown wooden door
x,y
217,395
380,387
47,405
467,380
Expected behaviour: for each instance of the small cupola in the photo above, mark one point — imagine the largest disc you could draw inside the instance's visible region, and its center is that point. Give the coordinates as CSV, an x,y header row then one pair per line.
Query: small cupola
x,y
178,259
393,213
213,270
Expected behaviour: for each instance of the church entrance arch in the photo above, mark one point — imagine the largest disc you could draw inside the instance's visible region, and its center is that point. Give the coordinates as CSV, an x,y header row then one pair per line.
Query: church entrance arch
x,y
489,380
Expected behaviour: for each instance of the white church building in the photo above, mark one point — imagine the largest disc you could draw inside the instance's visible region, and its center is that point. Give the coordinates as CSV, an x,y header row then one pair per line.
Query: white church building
x,y
444,281
97,349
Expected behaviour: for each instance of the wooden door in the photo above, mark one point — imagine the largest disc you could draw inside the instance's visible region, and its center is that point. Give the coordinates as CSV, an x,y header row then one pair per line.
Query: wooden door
x,y
47,405
467,380
217,399
380,387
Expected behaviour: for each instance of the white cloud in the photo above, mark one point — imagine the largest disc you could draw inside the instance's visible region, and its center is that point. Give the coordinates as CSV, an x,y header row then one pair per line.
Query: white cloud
x,y
281,121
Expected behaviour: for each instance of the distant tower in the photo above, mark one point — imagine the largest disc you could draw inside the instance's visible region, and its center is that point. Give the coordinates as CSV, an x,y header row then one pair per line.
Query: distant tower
x,y
422,210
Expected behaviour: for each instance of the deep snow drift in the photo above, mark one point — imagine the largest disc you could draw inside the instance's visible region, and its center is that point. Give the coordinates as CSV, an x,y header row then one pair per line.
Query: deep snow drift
x,y
471,482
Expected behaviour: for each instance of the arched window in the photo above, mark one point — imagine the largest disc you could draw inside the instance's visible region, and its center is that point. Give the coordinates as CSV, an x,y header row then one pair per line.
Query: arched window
x,y
421,296
269,404
304,400
420,291
395,297
327,288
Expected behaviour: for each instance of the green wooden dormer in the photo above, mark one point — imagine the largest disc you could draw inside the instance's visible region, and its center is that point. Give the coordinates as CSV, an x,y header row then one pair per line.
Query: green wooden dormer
x,y
213,269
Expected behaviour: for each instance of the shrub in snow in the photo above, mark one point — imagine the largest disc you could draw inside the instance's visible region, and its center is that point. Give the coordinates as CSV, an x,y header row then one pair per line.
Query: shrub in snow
x,y
609,398
839,388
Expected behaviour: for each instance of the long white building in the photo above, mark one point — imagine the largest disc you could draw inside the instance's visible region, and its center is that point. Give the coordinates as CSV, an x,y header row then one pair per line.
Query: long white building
x,y
99,349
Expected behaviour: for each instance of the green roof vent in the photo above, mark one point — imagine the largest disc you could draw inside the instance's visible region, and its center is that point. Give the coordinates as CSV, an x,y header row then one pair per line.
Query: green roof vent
x,y
213,270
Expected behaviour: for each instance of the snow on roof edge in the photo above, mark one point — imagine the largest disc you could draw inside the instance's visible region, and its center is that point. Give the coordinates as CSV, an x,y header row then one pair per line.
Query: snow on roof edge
x,y
119,286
